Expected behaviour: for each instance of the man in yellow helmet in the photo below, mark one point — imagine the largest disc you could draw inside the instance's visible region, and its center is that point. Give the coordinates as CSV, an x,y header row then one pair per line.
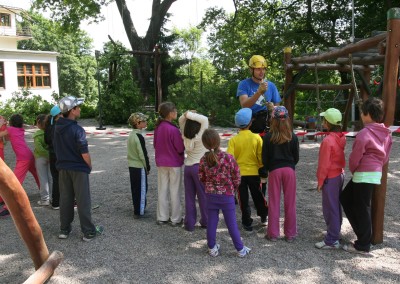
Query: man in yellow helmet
x,y
255,92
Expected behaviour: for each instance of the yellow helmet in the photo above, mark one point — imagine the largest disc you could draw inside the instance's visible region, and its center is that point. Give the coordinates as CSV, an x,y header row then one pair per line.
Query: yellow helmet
x,y
257,61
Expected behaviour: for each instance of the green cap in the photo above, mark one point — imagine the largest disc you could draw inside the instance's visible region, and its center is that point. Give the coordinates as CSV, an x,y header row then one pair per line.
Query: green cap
x,y
333,116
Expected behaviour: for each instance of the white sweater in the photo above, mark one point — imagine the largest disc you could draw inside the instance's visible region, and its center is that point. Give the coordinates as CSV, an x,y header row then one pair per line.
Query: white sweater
x,y
194,148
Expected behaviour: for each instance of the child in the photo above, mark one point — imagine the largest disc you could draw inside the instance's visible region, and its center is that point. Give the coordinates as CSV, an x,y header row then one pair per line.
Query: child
x,y
169,156
55,113
220,174
370,152
246,148
41,154
192,126
330,176
280,154
138,162
25,161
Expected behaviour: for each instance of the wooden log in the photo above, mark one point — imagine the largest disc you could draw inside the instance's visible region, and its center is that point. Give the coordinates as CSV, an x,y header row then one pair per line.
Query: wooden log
x,y
324,87
19,206
327,67
289,102
47,269
369,60
345,51
389,99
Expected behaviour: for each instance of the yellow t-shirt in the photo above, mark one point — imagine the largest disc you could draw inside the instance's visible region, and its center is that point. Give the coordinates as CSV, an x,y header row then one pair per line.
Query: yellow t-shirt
x,y
246,148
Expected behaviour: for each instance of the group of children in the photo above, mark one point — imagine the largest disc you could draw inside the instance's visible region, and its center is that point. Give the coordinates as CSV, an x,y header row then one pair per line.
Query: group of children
x,y
215,177
36,162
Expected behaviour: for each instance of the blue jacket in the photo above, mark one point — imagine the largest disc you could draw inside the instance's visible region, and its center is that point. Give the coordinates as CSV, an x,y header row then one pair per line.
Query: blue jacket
x,y
69,144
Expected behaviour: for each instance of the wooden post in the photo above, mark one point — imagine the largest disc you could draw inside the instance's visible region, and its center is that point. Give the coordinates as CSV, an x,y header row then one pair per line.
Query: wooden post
x,y
389,99
157,75
20,208
289,103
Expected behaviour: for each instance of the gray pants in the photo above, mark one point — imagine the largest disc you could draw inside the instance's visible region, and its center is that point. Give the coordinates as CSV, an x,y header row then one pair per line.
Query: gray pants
x,y
75,186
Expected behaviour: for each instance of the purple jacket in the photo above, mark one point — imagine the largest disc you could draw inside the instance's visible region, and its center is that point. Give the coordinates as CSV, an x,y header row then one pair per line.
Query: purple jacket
x,y
168,145
371,149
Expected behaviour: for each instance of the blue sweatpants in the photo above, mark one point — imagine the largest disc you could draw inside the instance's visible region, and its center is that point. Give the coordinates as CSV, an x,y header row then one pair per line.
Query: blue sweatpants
x,y
331,208
226,203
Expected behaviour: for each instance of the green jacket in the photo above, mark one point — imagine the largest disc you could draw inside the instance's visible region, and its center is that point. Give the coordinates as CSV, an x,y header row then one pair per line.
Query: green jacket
x,y
41,148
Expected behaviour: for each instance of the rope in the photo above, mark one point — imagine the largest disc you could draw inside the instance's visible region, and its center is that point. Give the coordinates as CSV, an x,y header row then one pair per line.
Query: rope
x,y
318,98
353,81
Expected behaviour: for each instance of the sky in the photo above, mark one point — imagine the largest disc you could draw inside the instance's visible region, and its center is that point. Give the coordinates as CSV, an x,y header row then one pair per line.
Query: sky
x,y
184,13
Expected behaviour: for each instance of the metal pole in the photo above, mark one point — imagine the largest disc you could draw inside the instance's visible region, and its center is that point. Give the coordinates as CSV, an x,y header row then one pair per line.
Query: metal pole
x,y
97,54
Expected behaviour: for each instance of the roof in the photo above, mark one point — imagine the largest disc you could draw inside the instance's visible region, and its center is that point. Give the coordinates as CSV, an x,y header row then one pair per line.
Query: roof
x,y
15,5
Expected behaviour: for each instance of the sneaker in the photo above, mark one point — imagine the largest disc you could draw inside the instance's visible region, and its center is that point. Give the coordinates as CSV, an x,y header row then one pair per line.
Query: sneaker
x,y
271,239
243,252
323,245
64,234
173,224
90,236
55,207
264,222
4,213
43,202
161,223
350,248
214,251
248,228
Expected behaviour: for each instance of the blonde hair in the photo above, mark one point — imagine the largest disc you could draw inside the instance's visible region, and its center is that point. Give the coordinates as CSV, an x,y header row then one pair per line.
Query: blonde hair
x,y
211,142
281,131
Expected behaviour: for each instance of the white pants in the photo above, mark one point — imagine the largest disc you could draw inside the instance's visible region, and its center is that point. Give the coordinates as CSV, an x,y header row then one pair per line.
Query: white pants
x,y
169,181
45,179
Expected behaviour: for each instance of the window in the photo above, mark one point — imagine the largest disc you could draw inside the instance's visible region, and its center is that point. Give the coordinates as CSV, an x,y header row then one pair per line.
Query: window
x,y
5,20
2,85
33,75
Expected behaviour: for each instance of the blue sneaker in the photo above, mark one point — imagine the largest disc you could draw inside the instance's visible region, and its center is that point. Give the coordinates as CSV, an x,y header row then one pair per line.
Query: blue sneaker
x,y
243,252
214,251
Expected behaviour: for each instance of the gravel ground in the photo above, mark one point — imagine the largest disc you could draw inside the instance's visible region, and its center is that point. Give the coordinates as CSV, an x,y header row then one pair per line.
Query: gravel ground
x,y
139,251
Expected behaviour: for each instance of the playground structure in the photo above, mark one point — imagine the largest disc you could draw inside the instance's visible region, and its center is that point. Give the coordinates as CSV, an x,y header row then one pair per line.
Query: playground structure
x,y
361,56
19,206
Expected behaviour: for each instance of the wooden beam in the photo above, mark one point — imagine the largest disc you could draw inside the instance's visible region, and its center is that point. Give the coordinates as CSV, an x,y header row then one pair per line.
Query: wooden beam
x,y
368,60
345,51
327,67
324,87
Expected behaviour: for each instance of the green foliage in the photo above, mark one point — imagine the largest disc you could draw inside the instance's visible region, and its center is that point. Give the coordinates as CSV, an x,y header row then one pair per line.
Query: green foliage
x,y
26,104
70,13
120,95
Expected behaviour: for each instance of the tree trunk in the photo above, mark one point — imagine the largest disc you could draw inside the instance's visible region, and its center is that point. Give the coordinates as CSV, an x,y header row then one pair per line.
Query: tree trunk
x,y
143,71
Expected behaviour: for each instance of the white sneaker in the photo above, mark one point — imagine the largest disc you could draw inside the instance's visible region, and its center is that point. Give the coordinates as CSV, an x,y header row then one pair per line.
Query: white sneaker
x,y
214,251
323,245
243,252
43,202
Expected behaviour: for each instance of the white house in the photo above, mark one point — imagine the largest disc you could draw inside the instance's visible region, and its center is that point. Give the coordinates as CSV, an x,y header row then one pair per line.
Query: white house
x,y
31,70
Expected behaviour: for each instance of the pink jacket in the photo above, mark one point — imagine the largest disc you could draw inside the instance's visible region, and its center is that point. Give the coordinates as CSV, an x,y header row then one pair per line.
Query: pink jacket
x,y
18,143
331,161
168,145
371,149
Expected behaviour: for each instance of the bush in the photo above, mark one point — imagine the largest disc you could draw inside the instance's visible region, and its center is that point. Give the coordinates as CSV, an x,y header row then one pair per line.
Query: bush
x,y
26,104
